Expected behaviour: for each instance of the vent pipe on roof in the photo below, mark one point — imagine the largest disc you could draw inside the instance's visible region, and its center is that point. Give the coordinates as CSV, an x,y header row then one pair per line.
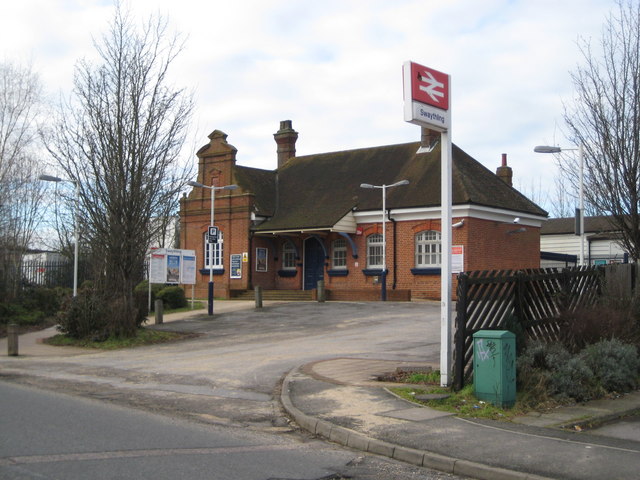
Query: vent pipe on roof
x,y
504,172
286,140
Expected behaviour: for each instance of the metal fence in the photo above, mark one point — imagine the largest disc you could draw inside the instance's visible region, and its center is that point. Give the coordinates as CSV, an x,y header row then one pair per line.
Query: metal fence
x,y
487,300
51,273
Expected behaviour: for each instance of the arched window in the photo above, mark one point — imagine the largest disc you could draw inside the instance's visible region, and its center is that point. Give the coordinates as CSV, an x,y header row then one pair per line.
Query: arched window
x,y
374,250
288,256
217,253
428,248
339,254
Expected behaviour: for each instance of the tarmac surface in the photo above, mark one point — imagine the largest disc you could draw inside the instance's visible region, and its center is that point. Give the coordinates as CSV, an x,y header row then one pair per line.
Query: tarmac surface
x,y
340,400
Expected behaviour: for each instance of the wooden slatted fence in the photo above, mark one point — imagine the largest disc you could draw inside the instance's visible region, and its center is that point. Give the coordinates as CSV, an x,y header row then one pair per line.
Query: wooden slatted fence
x,y
487,300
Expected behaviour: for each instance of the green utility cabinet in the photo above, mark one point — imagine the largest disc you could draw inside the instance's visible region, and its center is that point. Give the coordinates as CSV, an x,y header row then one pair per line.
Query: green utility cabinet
x,y
494,367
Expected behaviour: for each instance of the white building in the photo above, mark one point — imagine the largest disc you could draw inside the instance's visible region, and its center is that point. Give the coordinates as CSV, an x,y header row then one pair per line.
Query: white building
x,y
560,246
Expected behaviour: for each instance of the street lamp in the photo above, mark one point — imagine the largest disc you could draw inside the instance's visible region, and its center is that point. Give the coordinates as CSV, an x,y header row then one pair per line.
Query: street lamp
x,y
580,149
383,289
50,178
213,196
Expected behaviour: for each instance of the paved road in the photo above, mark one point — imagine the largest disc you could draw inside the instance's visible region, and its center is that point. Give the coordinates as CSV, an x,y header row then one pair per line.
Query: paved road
x,y
52,436
229,376
240,356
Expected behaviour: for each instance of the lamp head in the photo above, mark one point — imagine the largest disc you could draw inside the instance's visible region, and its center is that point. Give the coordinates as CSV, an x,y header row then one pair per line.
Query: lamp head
x,y
547,149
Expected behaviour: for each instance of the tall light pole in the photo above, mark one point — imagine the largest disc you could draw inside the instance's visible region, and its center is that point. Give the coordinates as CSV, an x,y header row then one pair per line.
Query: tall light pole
x,y
50,178
213,196
580,149
383,289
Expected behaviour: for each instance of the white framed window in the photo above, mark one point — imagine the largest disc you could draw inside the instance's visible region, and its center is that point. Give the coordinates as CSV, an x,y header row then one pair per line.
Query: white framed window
x,y
218,249
374,250
288,256
339,254
428,247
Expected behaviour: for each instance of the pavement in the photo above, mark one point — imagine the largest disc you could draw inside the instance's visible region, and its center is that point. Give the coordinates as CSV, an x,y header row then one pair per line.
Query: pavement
x,y
340,400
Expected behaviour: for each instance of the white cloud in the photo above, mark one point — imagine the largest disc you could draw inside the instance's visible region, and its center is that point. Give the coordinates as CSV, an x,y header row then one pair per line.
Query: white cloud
x,y
334,67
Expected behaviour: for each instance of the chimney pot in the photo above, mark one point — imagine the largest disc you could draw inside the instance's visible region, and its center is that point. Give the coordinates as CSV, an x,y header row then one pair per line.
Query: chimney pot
x,y
504,172
286,140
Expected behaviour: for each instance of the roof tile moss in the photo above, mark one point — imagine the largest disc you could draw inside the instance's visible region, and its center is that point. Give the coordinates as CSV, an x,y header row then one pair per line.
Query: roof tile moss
x,y
316,191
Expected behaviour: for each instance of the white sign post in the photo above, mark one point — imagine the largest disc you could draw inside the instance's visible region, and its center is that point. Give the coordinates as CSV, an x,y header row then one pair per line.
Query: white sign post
x,y
427,96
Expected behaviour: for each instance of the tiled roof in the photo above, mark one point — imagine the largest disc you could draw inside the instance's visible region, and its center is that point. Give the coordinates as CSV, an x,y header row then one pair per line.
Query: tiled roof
x,y
559,226
315,191
260,182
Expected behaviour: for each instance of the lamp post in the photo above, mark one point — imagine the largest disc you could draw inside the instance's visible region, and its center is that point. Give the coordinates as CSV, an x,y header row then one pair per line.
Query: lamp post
x,y
213,196
580,149
50,178
383,289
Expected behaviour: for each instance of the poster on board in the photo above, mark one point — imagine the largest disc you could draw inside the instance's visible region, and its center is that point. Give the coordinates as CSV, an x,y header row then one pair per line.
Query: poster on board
x,y
157,268
188,272
457,258
172,266
236,266
261,259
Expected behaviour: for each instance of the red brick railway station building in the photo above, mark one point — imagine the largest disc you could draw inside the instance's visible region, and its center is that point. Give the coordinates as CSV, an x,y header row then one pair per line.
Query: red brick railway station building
x,y
309,220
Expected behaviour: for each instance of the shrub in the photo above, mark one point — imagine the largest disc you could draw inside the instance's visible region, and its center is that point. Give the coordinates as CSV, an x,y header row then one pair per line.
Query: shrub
x,y
548,370
172,297
85,316
141,293
588,326
615,365
573,380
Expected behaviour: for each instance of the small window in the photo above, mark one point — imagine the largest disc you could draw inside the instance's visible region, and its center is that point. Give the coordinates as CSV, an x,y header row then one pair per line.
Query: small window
x,y
339,254
374,251
288,256
428,249
217,253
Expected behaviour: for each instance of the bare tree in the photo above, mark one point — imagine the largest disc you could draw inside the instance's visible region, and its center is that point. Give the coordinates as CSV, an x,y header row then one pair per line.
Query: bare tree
x,y
20,192
119,137
605,119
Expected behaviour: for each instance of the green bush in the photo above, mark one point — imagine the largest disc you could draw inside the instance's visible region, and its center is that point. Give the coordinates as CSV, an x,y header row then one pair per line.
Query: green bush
x,y
574,380
616,365
172,297
141,294
551,371
85,316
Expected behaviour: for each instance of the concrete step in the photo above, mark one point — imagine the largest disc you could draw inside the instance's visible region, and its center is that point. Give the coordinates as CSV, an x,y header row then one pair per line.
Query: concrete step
x,y
282,295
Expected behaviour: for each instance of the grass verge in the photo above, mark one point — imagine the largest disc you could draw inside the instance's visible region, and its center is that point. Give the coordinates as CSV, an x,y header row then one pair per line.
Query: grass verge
x,y
462,403
143,337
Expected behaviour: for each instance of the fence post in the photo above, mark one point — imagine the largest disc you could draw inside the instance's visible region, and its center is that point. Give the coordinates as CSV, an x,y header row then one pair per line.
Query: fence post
x,y
518,301
321,295
159,311
12,340
258,296
461,331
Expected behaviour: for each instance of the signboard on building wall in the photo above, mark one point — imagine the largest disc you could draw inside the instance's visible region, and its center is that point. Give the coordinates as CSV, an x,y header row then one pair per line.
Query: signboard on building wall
x,y
457,259
261,259
236,266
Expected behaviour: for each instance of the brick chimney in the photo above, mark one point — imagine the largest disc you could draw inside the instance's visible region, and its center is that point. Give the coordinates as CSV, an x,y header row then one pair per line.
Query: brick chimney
x,y
286,139
504,172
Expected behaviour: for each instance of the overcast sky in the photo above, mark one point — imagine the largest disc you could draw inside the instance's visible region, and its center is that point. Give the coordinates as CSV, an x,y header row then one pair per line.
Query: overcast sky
x,y
335,68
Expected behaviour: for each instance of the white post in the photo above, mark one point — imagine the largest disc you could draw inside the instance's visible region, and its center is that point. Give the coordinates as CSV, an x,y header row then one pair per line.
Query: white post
x,y
383,288
581,158
210,295
75,248
446,326
149,282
